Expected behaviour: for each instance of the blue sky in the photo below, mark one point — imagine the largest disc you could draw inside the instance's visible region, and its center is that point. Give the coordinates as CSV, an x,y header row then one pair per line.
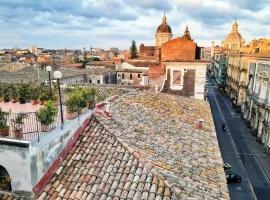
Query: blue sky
x,y
108,23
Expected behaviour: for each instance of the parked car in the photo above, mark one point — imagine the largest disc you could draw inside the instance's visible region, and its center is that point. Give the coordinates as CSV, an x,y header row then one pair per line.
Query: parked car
x,y
233,177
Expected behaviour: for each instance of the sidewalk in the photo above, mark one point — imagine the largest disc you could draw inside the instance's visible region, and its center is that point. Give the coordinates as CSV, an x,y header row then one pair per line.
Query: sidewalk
x,y
257,148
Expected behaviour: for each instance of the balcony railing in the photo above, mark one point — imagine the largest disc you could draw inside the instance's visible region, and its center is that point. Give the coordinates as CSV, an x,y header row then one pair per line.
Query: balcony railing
x,y
31,128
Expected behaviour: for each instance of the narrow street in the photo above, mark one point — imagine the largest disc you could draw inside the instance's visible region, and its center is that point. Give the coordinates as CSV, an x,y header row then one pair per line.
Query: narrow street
x,y
237,151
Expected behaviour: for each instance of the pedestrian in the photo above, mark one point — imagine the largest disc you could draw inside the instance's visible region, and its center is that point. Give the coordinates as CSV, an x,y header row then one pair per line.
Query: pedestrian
x,y
223,126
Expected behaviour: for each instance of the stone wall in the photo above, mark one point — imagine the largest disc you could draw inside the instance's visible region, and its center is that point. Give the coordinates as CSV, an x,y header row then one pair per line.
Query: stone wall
x,y
188,87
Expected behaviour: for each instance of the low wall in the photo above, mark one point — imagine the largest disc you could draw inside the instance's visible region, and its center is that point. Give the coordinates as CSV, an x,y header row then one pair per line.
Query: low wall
x,y
27,162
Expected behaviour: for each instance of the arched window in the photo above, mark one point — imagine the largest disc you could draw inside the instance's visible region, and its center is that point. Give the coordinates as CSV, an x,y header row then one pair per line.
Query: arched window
x,y
5,181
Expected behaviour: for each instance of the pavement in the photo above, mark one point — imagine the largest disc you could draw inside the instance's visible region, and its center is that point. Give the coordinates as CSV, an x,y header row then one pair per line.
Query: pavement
x,y
240,149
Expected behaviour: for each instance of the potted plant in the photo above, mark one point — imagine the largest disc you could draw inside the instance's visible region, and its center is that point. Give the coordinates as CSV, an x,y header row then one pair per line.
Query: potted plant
x,y
46,115
17,125
44,95
72,105
23,93
5,93
4,128
91,97
13,93
34,94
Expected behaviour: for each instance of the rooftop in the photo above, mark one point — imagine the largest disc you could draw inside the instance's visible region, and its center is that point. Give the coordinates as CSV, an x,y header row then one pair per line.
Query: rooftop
x,y
31,74
152,148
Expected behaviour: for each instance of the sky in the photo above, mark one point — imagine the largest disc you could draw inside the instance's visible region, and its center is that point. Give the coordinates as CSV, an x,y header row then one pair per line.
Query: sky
x,y
75,24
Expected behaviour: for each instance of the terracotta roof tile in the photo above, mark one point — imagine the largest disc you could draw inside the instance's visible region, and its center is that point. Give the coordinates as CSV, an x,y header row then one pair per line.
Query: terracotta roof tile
x,y
161,131
100,167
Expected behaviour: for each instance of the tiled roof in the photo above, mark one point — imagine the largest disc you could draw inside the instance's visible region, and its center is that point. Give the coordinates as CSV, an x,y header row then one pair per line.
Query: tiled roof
x,y
100,167
162,130
11,196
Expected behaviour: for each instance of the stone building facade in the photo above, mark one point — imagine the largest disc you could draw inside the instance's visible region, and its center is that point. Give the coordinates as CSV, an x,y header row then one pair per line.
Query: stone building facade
x,y
179,49
237,78
185,79
256,108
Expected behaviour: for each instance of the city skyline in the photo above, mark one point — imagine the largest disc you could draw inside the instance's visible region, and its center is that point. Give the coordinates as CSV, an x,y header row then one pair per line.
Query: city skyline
x,y
78,24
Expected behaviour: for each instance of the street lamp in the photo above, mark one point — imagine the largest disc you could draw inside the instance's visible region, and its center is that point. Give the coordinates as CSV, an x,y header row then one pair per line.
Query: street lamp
x,y
49,69
58,75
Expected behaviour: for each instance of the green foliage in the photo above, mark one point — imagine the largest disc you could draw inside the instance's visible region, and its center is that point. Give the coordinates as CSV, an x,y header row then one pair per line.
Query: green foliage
x,y
47,114
13,91
17,123
35,92
133,50
78,98
1,90
23,92
5,92
44,93
3,119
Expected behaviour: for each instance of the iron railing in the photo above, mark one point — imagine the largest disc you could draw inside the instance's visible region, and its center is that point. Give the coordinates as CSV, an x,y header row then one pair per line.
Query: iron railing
x,y
30,127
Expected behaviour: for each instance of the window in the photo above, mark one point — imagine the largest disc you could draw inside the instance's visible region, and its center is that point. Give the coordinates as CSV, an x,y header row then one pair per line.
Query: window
x,y
139,75
98,81
177,77
90,81
123,76
118,75
130,76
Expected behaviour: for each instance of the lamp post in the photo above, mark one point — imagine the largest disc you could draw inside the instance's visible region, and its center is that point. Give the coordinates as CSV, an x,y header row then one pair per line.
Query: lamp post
x,y
57,75
49,69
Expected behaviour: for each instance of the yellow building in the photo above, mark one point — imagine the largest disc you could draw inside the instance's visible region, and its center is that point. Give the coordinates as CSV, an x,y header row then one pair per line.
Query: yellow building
x,y
256,46
237,78
234,40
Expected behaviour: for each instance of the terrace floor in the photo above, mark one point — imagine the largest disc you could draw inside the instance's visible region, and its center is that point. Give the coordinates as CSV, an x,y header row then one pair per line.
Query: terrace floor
x,y
18,108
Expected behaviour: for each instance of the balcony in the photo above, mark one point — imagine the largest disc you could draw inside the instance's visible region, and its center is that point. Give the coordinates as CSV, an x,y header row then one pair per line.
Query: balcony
x,y
243,70
242,84
29,128
259,101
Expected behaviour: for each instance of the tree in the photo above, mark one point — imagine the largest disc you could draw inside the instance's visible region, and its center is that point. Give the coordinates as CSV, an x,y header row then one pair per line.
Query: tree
x,y
133,50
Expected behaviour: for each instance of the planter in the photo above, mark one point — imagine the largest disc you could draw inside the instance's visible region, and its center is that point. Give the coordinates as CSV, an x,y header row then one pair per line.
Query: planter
x,y
71,116
18,134
22,101
91,104
34,102
42,102
13,100
4,132
45,128
6,99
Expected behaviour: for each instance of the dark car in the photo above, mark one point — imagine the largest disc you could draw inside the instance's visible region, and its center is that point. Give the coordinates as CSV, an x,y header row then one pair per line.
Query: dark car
x,y
233,177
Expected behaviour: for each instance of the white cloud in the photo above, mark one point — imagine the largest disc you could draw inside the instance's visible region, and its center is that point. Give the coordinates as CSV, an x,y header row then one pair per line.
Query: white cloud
x,y
58,24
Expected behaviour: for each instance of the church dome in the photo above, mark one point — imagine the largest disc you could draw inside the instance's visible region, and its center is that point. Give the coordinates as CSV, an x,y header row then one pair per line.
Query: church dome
x,y
234,35
164,27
